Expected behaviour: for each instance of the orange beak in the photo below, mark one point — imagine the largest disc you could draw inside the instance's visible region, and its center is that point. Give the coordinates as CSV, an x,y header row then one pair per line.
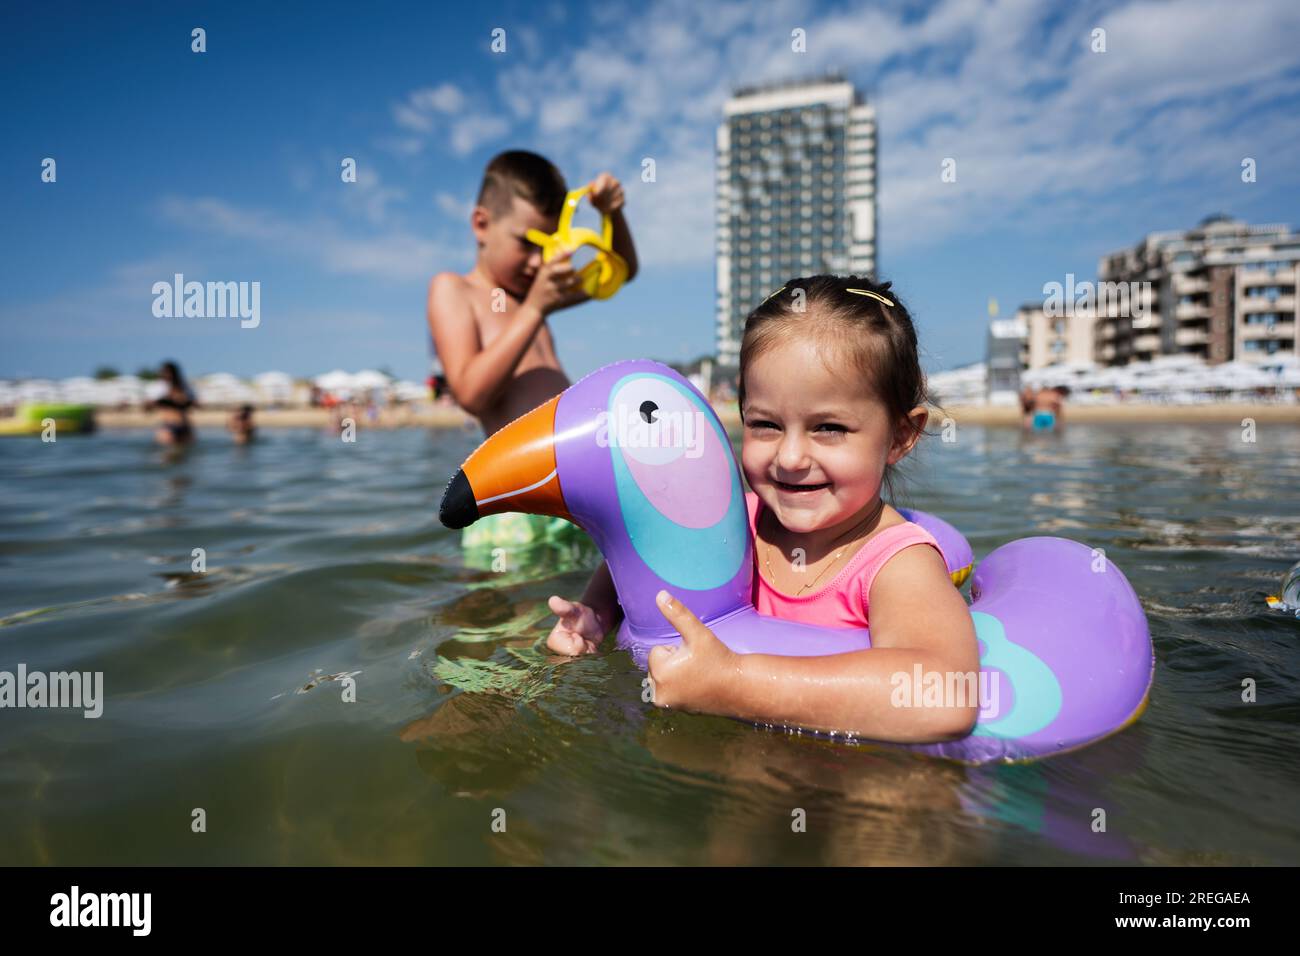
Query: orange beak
x,y
514,470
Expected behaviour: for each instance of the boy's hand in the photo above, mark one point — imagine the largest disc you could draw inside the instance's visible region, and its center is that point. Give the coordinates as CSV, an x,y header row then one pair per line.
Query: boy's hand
x,y
695,674
606,194
556,285
578,631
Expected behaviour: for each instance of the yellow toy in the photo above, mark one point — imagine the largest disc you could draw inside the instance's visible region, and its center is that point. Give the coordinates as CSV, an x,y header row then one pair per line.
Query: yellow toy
x,y
603,275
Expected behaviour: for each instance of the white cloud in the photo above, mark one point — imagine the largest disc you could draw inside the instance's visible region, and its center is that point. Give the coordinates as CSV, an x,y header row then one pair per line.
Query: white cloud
x,y
446,98
369,197
1022,158
443,113
469,132
412,119
118,306
393,255
454,208
1039,124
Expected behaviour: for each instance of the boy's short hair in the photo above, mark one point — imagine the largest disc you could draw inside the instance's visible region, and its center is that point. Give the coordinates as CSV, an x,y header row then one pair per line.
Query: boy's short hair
x,y
531,177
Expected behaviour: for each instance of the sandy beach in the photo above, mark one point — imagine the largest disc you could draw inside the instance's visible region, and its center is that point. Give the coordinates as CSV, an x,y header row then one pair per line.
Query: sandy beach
x,y
447,417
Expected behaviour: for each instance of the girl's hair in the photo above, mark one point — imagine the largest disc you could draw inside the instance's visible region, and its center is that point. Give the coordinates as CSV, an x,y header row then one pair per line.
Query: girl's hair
x,y
172,373
858,319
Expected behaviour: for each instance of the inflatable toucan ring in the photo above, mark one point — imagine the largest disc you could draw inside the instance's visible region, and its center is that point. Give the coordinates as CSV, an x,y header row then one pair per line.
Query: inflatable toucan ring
x,y
635,456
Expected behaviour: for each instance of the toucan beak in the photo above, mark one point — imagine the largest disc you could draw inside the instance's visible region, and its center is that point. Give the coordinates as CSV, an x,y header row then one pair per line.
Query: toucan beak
x,y
514,470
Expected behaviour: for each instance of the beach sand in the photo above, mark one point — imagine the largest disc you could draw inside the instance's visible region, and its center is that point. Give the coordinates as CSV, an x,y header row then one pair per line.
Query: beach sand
x,y
448,417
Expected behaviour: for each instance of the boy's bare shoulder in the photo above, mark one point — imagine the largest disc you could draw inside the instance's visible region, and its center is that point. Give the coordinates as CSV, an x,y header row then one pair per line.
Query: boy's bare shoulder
x,y
449,283
451,296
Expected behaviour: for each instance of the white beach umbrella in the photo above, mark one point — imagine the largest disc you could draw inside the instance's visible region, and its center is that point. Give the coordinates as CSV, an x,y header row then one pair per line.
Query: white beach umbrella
x,y
369,378
79,391
274,386
410,391
334,380
38,390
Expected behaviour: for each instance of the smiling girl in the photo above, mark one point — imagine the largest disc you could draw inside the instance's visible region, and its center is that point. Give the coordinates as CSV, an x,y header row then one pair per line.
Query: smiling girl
x,y
832,397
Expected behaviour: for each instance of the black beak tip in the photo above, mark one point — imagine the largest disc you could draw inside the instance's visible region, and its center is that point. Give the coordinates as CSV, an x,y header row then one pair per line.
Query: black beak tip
x,y
458,508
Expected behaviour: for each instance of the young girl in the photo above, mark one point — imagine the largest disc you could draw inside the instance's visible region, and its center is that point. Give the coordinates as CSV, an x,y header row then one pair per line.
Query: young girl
x,y
832,397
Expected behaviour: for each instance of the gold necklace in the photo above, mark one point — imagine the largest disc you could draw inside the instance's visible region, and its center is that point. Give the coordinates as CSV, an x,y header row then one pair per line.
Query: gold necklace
x,y
767,552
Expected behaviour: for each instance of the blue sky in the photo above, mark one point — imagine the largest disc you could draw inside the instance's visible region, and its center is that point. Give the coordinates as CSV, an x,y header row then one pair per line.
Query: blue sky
x,y
225,165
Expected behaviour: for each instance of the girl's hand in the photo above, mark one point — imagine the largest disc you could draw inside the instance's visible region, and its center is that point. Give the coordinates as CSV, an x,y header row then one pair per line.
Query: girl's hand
x,y
697,674
578,631
606,194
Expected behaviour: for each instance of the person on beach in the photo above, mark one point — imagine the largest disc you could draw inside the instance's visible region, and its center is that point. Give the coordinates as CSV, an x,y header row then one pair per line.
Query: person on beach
x,y
832,398
173,404
240,425
1044,409
489,326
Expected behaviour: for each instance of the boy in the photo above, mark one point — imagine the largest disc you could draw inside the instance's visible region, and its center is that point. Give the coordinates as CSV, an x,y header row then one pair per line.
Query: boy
x,y
500,363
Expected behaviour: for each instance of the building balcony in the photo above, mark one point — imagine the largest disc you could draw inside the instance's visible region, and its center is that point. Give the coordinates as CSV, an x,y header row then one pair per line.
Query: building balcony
x,y
1146,343
1259,303
1190,285
1280,330
1192,336
1191,310
1249,278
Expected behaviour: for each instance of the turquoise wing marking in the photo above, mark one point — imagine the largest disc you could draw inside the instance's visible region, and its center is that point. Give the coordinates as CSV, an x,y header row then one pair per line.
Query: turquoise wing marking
x,y
1037,691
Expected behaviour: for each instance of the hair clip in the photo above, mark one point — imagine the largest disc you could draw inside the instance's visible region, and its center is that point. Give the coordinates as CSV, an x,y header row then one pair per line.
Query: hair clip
x,y
875,295
773,295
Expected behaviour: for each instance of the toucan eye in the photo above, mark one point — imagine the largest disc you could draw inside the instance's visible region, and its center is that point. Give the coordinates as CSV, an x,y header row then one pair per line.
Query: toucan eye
x,y
648,410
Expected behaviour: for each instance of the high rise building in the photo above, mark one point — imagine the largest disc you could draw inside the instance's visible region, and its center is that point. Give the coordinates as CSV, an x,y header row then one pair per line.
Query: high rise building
x,y
1224,290
795,194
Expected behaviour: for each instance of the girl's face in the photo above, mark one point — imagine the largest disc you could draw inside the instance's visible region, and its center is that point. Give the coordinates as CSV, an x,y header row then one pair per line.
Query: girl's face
x,y
816,441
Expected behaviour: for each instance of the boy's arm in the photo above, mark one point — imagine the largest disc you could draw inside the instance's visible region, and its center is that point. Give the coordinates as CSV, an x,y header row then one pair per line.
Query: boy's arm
x,y
476,375
623,242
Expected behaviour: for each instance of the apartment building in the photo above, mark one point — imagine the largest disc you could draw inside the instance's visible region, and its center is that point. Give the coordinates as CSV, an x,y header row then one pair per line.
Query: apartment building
x,y
795,194
1225,290
1051,338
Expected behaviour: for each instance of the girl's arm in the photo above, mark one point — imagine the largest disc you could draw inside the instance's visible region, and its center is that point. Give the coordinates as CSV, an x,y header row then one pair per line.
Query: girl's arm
x,y
917,618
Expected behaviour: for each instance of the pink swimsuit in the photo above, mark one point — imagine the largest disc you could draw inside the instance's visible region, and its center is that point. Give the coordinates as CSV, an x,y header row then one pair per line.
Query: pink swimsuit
x,y
842,601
